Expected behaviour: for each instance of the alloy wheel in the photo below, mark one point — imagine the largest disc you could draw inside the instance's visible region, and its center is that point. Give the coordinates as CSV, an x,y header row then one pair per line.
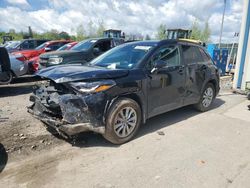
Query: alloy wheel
x,y
207,97
125,122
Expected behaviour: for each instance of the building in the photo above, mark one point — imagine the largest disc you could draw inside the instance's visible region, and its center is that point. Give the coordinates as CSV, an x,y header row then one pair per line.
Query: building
x,y
113,33
242,69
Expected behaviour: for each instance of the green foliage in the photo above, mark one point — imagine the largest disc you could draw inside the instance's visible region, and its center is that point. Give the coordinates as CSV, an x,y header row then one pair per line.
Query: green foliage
x,y
147,37
80,33
198,33
100,29
161,32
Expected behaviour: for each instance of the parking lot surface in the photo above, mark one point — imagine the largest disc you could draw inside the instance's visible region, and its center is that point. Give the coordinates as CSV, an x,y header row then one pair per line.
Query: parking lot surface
x,y
182,148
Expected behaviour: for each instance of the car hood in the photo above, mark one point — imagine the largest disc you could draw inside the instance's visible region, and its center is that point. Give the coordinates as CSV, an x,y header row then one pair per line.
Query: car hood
x,y
69,73
62,53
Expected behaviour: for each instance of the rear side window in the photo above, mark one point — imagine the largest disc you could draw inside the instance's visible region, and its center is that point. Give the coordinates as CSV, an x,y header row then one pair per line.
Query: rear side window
x,y
39,42
28,44
103,45
191,54
205,57
55,46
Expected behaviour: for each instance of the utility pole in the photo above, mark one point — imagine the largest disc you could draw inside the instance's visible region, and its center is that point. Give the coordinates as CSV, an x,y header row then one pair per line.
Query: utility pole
x,y
222,21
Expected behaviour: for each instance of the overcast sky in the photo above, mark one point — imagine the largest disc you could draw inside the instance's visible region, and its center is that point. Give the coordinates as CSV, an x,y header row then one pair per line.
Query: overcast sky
x,y
131,16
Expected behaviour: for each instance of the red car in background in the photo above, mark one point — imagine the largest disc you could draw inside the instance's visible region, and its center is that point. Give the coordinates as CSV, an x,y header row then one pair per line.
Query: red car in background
x,y
45,47
34,62
67,46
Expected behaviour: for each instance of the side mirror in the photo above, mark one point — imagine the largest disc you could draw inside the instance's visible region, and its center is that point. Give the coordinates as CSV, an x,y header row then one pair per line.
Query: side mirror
x,y
158,65
96,51
47,49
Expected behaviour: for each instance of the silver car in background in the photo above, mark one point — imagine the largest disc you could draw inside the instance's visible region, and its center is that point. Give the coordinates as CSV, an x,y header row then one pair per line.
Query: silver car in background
x,y
11,66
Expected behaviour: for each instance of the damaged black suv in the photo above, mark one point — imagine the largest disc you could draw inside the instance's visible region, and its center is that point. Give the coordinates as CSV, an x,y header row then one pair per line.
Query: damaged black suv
x,y
118,91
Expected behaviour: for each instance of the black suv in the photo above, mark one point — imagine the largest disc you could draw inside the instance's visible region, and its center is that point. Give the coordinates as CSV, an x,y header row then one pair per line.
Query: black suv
x,y
83,52
124,87
26,44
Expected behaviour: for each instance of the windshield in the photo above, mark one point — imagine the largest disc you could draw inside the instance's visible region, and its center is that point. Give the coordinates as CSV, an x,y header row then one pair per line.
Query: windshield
x,y
84,45
13,44
64,47
122,57
41,46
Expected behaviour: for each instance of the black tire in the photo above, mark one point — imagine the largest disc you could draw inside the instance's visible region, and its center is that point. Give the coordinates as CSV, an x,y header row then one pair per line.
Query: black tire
x,y
200,105
115,109
9,78
4,59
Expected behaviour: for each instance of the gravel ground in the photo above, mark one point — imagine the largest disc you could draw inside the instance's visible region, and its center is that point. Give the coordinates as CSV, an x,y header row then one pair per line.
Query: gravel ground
x,y
21,134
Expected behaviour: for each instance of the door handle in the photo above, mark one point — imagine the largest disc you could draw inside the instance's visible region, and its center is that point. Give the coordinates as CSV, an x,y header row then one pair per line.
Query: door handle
x,y
203,67
181,70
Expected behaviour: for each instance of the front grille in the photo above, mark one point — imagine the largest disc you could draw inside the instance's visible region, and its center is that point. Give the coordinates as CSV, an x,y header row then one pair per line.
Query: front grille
x,y
43,61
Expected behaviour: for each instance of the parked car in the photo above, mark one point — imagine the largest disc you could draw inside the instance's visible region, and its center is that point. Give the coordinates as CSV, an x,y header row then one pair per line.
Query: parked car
x,y
67,46
34,62
45,47
10,66
26,44
83,52
12,43
5,71
119,90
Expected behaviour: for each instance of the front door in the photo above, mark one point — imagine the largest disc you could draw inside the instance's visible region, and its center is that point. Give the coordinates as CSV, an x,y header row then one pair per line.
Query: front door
x,y
166,87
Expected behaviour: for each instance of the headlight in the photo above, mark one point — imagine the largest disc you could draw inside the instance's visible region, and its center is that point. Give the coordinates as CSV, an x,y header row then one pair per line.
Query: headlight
x,y
55,60
92,87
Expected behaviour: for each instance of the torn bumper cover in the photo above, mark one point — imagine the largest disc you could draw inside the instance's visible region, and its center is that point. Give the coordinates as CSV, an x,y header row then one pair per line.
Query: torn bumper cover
x,y
69,114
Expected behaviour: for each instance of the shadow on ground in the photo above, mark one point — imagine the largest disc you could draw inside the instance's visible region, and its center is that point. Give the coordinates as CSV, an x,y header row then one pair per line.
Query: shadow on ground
x,y
3,157
89,139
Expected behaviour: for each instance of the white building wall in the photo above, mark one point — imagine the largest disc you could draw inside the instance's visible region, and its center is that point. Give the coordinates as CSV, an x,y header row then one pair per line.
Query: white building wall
x,y
240,55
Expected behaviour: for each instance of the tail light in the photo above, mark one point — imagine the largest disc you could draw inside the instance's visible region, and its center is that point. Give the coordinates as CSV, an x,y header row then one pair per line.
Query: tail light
x,y
20,57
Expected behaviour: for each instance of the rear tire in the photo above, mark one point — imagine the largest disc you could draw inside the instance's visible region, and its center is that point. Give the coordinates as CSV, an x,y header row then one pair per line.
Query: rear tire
x,y
206,99
123,121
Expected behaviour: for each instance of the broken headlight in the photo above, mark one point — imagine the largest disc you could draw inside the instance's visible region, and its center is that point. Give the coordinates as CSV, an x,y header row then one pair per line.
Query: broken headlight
x,y
55,60
92,87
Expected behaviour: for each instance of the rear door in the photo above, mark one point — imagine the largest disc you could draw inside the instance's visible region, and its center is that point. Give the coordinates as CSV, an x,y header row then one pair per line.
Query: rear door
x,y
167,86
196,72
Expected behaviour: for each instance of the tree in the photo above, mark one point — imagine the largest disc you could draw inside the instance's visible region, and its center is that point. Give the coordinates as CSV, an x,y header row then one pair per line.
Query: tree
x,y
64,35
198,33
206,33
91,29
147,37
100,29
80,33
161,32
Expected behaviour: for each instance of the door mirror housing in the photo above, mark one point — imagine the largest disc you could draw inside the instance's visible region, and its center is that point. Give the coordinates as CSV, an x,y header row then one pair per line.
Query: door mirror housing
x,y
159,64
96,51
47,49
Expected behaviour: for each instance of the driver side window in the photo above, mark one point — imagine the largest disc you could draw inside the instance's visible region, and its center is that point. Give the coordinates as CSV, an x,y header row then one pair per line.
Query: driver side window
x,y
169,54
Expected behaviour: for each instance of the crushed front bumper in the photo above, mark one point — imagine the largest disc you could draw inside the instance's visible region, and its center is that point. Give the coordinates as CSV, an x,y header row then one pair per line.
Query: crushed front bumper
x,y
68,114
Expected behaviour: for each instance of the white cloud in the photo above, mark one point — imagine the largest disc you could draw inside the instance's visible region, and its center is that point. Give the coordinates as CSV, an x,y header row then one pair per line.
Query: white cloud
x,y
131,16
19,3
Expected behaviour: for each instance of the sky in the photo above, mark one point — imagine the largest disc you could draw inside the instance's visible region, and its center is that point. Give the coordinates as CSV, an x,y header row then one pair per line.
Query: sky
x,y
131,16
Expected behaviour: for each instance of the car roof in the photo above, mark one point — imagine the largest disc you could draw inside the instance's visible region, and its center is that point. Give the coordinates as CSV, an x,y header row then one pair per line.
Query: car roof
x,y
165,41
35,39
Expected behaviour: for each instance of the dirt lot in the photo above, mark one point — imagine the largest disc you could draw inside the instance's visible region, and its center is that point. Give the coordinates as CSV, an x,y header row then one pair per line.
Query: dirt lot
x,y
21,134
182,148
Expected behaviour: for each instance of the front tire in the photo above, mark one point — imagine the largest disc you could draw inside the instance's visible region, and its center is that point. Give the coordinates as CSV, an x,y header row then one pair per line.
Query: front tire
x,y
123,121
206,99
9,78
